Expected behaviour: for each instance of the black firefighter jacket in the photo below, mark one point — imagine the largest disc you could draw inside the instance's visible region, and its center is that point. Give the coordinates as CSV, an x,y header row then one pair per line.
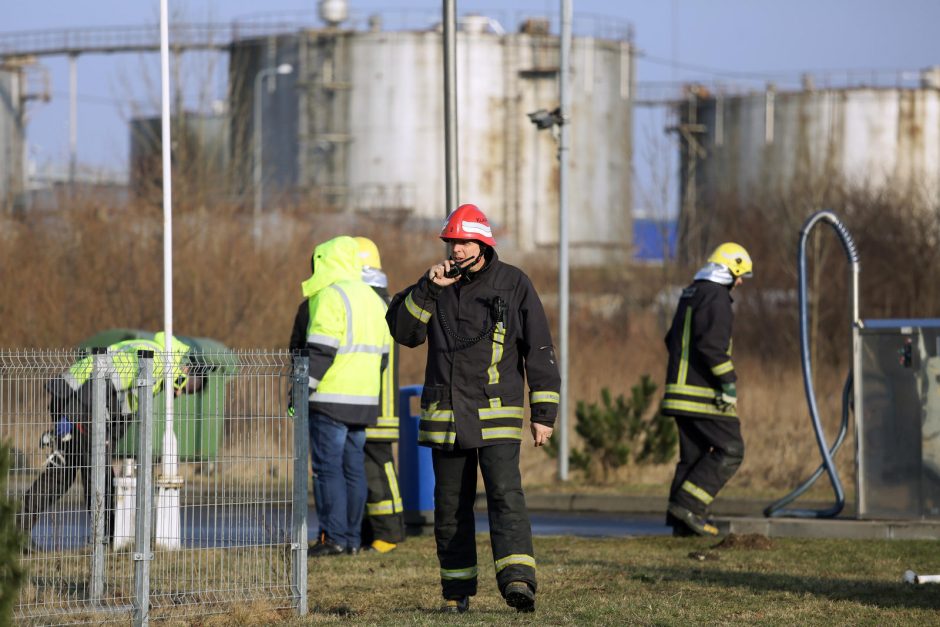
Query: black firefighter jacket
x,y
699,344
486,335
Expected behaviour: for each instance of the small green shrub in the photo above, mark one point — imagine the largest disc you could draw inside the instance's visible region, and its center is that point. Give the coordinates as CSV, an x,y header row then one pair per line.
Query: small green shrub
x,y
617,431
11,572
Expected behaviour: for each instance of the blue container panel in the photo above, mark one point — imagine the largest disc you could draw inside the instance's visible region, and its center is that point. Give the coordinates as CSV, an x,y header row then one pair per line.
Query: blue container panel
x,y
654,240
416,469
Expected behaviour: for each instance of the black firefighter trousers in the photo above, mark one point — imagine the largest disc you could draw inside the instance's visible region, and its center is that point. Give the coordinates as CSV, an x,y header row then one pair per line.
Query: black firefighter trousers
x,y
710,452
384,519
68,461
71,458
455,474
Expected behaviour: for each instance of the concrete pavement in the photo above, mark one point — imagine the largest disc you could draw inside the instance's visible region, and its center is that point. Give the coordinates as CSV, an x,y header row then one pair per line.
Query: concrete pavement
x,y
743,516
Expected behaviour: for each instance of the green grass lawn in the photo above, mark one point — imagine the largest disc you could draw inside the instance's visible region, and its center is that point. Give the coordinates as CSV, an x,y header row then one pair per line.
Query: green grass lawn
x,y
642,581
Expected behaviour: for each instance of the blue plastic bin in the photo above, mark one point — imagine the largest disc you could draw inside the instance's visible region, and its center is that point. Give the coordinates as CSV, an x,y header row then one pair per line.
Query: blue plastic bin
x,y
416,470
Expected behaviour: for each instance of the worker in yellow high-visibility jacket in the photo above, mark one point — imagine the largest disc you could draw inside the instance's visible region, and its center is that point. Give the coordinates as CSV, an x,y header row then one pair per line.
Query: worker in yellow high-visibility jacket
x,y
348,343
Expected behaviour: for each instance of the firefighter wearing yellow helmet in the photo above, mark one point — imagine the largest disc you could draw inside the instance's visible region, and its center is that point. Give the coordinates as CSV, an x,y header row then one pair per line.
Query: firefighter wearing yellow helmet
x,y
383,526
700,390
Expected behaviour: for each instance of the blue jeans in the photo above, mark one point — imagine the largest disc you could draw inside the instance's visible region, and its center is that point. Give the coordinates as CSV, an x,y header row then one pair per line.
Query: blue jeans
x,y
339,478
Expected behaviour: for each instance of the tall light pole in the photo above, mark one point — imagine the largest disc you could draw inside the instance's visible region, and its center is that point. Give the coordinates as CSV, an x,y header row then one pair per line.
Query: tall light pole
x,y
168,486
451,174
557,122
564,97
284,68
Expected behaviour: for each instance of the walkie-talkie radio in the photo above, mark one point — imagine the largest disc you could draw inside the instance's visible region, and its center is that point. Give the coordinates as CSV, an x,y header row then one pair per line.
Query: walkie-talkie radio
x,y
458,269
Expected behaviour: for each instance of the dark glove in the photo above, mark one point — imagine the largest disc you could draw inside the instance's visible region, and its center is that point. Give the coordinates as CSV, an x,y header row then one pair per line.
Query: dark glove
x,y
727,399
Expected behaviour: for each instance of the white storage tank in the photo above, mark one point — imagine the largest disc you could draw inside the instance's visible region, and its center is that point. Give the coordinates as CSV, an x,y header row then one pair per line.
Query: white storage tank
x,y
11,138
359,125
868,138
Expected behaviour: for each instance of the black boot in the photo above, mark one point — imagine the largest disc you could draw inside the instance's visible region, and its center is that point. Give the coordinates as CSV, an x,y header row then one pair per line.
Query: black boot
x,y
692,521
519,595
456,606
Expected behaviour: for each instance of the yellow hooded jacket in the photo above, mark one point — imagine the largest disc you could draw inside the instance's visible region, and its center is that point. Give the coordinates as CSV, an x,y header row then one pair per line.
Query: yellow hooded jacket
x,y
347,337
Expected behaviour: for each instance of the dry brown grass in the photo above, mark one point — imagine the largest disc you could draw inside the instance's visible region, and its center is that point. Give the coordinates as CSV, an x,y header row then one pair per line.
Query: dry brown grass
x,y
617,581
71,274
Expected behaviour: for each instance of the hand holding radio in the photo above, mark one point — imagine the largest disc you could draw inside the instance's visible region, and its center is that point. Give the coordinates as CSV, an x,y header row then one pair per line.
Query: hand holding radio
x,y
450,271
459,268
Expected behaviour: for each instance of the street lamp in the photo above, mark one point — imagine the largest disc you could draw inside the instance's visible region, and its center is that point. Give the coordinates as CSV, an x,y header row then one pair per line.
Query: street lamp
x,y
558,122
284,68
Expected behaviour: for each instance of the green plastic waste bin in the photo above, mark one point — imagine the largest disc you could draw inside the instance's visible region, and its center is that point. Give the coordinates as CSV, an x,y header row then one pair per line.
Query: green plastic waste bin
x,y
197,418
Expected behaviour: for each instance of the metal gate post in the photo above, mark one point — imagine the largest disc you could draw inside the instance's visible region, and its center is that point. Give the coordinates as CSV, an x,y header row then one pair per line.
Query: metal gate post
x,y
143,552
299,396
101,372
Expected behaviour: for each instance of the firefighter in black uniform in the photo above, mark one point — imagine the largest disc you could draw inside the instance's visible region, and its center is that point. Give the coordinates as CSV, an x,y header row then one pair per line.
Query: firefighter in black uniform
x,y
487,334
383,525
701,392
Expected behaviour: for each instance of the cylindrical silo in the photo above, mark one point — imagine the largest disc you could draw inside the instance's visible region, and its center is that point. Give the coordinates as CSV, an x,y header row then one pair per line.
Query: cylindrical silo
x,y
11,138
863,138
359,126
200,156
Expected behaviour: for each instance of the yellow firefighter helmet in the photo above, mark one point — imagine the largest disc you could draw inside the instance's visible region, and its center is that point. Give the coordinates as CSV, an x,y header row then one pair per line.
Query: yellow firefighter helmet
x,y
369,253
735,258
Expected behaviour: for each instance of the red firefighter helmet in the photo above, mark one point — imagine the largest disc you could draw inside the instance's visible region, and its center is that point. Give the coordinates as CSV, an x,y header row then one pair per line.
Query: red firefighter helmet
x,y
468,222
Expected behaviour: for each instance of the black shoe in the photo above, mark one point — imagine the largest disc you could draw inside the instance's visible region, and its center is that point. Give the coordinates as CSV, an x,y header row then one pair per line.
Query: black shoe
x,y
680,530
324,548
352,550
519,595
456,606
695,523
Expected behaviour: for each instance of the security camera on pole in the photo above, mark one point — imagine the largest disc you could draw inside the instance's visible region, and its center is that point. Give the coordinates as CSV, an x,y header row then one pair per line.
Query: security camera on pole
x,y
169,484
557,122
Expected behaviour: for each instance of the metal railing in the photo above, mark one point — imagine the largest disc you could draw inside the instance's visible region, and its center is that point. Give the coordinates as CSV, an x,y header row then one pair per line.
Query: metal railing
x,y
672,92
221,35
91,498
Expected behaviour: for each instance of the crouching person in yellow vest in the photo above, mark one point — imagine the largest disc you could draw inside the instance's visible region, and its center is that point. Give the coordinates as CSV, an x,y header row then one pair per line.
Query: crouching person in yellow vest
x,y
383,525
70,407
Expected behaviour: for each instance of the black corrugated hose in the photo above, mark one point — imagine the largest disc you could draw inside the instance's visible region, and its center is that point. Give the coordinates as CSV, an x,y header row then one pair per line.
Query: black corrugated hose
x,y
775,509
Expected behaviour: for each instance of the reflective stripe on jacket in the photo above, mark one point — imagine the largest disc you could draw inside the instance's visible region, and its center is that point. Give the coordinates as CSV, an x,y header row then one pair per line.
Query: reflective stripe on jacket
x,y
122,368
699,344
481,352
347,336
386,427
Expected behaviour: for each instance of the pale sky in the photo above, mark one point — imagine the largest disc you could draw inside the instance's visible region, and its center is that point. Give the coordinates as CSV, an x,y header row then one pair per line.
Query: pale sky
x,y
749,41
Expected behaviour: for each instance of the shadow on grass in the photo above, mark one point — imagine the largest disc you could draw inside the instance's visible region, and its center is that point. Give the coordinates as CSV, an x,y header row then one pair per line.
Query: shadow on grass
x,y
875,593
343,611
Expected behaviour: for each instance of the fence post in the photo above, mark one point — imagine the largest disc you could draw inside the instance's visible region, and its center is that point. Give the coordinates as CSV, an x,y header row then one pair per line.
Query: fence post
x,y
143,552
98,460
299,395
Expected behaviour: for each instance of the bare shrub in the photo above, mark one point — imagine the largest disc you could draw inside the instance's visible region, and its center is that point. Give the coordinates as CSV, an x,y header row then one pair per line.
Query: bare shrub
x,y
70,274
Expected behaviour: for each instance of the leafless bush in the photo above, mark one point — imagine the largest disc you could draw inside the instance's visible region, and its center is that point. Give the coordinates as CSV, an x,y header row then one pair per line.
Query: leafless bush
x,y
71,274
897,245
